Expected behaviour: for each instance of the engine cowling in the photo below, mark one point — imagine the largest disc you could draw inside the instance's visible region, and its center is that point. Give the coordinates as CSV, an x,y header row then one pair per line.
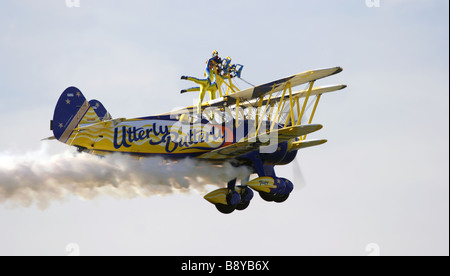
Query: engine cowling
x,y
281,156
277,156
288,158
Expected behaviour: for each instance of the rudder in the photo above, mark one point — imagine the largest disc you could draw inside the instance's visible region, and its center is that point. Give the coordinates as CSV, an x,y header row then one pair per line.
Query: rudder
x,y
70,110
100,110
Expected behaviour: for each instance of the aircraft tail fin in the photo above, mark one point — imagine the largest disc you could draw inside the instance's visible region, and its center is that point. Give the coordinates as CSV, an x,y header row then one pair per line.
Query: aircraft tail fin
x,y
100,110
71,110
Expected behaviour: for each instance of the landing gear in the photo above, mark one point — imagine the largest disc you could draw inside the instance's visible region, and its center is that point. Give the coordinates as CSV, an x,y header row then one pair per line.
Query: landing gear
x,y
232,198
278,198
242,205
276,191
281,198
246,195
225,209
266,196
270,187
232,201
243,193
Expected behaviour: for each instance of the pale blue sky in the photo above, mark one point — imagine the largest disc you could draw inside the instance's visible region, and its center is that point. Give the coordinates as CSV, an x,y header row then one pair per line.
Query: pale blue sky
x,y
382,177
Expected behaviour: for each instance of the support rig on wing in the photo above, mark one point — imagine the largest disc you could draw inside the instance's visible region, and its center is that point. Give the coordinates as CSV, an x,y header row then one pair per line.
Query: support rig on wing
x,y
269,125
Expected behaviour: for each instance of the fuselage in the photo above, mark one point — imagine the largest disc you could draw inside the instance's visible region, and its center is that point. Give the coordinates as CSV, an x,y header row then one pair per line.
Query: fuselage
x,y
156,135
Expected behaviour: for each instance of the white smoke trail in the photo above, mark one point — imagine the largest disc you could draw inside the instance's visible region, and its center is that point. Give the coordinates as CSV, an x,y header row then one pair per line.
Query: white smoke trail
x,y
39,177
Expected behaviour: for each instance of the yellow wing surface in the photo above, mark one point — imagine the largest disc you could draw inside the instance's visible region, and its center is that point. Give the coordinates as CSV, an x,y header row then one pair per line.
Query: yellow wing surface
x,y
296,95
272,87
248,145
279,85
272,107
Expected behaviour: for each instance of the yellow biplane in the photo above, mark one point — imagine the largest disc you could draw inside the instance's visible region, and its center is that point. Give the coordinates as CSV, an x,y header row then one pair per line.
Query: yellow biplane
x,y
259,127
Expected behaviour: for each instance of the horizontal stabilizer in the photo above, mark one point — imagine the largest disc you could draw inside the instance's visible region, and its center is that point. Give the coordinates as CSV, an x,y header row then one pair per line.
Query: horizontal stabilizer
x,y
104,124
49,138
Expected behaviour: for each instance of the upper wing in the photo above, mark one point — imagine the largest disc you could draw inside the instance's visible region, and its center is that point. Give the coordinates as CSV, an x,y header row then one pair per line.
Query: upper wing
x,y
279,85
298,94
251,144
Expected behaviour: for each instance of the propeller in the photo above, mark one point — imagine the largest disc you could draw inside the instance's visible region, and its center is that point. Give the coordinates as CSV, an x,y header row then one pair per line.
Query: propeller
x,y
298,177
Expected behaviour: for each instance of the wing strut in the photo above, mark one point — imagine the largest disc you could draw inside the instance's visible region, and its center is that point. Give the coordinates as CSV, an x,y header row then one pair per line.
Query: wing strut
x,y
305,102
312,113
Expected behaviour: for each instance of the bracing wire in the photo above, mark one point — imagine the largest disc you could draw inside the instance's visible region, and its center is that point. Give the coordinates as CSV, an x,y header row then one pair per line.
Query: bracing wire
x,y
247,82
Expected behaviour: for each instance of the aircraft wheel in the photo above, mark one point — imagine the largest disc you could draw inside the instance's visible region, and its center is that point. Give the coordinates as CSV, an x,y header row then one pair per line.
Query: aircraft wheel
x,y
233,199
246,196
280,198
267,197
225,209
242,205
